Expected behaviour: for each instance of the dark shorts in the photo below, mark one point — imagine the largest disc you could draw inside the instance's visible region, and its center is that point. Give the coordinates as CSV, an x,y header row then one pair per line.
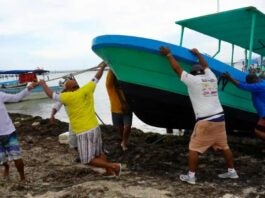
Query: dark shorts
x,y
120,119
9,148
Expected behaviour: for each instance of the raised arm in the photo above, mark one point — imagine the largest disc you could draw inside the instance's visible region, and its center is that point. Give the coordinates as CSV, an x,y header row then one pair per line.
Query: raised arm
x,y
52,118
173,62
19,96
228,77
46,89
202,61
56,107
101,66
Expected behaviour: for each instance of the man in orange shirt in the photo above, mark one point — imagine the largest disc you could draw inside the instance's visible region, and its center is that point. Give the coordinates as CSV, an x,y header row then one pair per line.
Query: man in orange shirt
x,y
120,111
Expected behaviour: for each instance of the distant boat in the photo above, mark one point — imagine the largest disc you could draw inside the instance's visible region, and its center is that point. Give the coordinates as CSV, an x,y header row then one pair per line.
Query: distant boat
x,y
23,77
154,91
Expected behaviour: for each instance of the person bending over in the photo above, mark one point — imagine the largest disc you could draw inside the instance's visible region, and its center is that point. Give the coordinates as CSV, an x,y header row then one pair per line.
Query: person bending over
x,y
79,104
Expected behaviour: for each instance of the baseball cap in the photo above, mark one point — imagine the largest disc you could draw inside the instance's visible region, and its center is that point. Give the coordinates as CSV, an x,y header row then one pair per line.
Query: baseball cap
x,y
196,69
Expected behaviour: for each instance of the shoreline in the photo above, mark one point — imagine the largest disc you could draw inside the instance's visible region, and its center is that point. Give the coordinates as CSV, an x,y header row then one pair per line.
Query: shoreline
x,y
151,166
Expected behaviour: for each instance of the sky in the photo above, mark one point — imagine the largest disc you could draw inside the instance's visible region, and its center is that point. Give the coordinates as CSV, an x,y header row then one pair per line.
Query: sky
x,y
57,34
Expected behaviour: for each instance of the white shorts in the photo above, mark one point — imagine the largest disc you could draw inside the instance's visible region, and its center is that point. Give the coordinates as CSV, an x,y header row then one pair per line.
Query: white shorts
x,y
89,145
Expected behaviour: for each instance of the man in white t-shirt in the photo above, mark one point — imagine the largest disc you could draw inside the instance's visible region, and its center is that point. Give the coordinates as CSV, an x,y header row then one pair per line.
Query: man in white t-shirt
x,y
72,137
209,130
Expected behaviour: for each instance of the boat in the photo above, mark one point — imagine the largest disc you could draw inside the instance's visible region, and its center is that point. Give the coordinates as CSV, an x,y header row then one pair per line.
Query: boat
x,y
153,90
20,79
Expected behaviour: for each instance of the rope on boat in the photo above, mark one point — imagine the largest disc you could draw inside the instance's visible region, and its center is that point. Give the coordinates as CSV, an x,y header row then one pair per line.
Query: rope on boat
x,y
73,74
100,119
223,81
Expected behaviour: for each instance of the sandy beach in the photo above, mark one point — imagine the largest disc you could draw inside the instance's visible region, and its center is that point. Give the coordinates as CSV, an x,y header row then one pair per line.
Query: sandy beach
x,y
150,168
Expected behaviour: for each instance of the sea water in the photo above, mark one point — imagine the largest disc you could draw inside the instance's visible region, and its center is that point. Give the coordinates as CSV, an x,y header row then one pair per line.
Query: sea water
x,y
43,107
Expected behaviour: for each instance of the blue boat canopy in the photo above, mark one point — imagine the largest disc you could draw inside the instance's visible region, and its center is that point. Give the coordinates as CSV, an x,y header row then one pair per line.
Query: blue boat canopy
x,y
244,27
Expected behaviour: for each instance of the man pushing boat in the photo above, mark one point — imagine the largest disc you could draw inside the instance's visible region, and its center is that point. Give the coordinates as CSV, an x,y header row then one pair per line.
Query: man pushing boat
x,y
209,130
256,86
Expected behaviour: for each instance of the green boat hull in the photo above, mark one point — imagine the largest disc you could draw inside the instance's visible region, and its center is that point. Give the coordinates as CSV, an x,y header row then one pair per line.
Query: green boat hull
x,y
159,98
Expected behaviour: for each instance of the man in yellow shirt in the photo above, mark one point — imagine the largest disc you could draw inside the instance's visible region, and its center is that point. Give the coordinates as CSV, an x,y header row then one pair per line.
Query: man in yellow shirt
x,y
79,104
120,111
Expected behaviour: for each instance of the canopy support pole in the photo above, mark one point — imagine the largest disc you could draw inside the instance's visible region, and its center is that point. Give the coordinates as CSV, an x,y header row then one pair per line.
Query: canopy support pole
x,y
232,58
246,60
251,39
181,35
219,47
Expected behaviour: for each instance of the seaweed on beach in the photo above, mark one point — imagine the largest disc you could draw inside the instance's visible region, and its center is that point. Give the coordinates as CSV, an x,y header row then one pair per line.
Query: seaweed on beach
x,y
151,166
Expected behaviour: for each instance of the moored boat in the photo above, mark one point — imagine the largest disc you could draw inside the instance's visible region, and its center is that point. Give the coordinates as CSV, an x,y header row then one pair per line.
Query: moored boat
x,y
19,82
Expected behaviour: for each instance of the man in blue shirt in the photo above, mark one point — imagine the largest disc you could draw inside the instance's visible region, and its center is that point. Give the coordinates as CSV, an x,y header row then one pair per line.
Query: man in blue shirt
x,y
256,86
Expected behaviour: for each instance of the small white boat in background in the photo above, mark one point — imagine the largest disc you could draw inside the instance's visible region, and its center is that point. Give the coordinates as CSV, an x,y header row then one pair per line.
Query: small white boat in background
x,y
20,78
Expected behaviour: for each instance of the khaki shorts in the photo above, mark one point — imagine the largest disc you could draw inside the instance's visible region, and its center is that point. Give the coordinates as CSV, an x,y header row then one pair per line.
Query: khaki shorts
x,y
208,134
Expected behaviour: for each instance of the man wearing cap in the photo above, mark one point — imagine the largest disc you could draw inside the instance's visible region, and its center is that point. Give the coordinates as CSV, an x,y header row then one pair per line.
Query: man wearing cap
x,y
209,130
79,104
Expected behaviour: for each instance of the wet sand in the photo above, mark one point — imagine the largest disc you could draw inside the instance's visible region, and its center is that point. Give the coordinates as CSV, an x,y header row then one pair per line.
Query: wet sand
x,y
151,166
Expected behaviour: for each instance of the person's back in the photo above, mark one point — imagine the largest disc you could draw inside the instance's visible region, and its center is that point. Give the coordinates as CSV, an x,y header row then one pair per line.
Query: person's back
x,y
79,105
115,103
203,92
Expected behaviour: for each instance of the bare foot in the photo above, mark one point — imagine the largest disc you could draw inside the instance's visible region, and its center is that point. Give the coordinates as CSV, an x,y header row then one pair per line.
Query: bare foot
x,y
109,171
124,147
117,169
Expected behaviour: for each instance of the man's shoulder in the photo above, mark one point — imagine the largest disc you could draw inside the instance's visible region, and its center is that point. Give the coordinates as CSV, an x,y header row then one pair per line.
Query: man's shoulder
x,y
208,70
89,86
262,81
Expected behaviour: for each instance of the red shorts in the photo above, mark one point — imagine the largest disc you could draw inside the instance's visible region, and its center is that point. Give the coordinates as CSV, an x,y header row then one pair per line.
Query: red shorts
x,y
260,125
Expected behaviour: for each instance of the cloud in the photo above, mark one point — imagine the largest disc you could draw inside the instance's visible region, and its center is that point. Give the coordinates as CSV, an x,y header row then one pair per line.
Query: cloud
x,y
59,32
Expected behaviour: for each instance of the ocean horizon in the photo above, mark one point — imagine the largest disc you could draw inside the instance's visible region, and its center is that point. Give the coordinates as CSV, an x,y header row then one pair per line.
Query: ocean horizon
x,y
43,107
